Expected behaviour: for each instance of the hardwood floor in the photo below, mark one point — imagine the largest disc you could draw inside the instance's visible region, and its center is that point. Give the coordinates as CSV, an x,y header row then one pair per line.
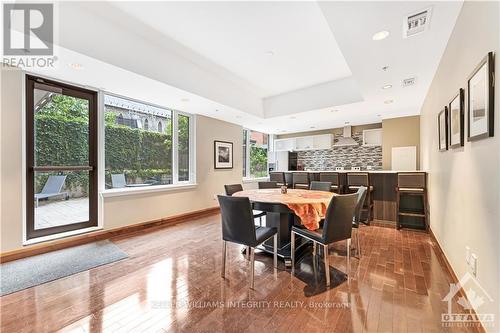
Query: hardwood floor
x,y
171,282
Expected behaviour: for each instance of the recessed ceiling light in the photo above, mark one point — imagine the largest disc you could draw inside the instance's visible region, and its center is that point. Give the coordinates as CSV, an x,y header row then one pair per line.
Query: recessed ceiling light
x,y
293,117
283,131
312,127
239,117
76,66
387,86
185,100
389,101
380,35
269,53
216,110
334,110
385,68
379,115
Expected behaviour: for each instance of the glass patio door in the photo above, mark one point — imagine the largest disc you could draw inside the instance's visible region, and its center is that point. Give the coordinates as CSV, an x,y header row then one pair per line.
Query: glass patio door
x,y
61,161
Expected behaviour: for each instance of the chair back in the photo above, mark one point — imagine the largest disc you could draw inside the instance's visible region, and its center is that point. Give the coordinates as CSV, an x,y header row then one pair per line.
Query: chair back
x,y
54,184
237,220
263,185
278,177
320,186
118,180
411,180
289,179
233,188
358,179
300,178
359,204
332,177
338,219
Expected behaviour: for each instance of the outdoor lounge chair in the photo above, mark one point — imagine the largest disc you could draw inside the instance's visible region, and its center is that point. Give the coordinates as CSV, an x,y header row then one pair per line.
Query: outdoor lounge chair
x,y
118,180
52,188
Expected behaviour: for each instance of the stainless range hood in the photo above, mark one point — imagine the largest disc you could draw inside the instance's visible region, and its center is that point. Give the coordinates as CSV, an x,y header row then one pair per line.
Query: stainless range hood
x,y
345,140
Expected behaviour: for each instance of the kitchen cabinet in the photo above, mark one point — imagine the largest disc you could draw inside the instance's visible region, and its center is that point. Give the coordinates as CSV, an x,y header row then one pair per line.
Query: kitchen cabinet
x,y
372,137
312,142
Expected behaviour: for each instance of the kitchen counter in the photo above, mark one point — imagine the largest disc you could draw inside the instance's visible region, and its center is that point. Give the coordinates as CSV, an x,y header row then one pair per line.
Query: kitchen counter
x,y
347,171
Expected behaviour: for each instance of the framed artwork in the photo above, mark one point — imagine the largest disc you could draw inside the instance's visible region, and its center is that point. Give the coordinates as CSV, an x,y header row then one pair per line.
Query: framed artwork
x,y
480,98
443,129
223,155
456,122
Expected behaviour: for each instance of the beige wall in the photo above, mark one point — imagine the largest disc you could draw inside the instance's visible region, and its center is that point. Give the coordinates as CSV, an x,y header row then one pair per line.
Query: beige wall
x,y
117,211
464,183
355,129
399,132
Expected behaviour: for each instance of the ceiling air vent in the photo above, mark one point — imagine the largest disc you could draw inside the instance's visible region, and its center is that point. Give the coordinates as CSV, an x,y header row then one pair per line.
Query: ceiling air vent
x,y
416,23
409,81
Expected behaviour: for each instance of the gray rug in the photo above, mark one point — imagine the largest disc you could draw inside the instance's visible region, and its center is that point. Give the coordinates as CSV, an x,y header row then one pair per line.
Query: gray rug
x,y
29,272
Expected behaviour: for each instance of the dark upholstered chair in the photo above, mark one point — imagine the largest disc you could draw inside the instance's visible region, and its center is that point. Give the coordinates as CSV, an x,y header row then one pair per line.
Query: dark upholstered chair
x,y
278,177
238,227
332,177
264,185
357,216
300,180
354,181
337,227
320,186
232,189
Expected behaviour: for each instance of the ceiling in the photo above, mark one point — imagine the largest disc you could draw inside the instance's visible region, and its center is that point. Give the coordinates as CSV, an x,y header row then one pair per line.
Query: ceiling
x,y
278,67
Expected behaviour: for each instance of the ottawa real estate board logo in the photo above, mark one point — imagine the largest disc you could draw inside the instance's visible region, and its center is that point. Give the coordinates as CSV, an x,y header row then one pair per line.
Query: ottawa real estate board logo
x,y
476,297
28,34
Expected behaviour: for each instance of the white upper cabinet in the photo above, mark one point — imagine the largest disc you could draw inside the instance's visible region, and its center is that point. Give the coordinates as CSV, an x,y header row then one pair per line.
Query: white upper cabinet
x,y
304,143
284,144
372,137
323,141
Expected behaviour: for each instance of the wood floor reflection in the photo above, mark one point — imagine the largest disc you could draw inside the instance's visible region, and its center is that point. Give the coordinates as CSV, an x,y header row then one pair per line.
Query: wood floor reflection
x,y
171,282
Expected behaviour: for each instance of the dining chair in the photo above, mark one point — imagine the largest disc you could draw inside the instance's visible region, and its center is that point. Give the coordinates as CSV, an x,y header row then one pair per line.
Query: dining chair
x,y
337,227
238,227
300,180
232,189
320,186
334,178
264,185
354,181
357,216
278,177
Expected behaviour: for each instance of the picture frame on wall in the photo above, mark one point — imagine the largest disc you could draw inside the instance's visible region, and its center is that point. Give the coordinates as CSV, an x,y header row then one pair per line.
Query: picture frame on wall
x,y
223,155
456,120
443,129
480,100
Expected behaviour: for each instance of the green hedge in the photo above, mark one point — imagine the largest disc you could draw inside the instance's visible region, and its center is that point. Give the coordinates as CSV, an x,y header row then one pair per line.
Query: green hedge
x,y
135,152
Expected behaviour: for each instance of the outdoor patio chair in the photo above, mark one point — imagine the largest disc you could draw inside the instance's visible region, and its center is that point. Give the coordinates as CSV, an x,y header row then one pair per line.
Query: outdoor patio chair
x,y
118,180
52,188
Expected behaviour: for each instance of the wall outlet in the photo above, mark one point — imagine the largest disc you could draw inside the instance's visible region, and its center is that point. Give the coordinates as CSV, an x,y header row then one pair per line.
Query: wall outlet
x,y
473,264
467,255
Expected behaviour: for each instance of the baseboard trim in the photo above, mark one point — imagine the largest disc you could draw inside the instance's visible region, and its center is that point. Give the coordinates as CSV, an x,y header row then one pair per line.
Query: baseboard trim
x,y
103,234
450,270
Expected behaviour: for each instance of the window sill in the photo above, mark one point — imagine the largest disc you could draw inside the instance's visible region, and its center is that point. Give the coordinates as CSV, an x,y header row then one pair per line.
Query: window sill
x,y
255,180
144,190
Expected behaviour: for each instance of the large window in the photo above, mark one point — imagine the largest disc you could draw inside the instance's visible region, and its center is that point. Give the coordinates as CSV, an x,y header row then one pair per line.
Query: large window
x,y
147,155
255,146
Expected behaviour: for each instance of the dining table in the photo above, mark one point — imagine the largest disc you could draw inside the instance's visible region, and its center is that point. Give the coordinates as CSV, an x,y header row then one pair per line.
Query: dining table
x,y
305,208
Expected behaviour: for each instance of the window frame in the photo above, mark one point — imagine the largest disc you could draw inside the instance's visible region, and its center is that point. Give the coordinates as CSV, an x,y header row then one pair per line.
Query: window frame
x,y
175,136
247,176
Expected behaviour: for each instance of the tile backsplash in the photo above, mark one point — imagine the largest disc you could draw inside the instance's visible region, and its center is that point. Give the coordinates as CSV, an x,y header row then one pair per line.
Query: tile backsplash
x,y
347,157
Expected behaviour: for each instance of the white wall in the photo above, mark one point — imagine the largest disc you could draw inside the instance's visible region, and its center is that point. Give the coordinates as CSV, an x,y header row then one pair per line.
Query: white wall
x,y
117,211
464,183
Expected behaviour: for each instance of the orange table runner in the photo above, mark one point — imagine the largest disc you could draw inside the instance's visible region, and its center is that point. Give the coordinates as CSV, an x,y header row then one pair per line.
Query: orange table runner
x,y
310,206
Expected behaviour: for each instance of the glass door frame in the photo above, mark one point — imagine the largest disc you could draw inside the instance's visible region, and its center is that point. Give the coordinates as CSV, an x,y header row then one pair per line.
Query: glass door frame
x,y
92,167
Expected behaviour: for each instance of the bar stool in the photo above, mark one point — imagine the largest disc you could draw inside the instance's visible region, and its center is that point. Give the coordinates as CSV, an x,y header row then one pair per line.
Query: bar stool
x,y
332,177
278,177
300,180
354,181
411,184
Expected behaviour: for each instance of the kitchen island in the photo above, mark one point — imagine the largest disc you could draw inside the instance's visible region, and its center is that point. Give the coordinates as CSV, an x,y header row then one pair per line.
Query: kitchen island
x,y
384,194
